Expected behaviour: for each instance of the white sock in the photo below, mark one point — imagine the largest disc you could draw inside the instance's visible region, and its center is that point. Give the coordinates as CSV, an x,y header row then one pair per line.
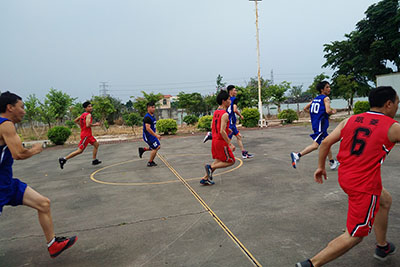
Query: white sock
x,y
51,242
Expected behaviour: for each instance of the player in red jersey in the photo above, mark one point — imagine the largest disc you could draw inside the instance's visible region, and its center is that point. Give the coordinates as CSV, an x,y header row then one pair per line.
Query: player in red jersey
x,y
221,147
366,139
85,122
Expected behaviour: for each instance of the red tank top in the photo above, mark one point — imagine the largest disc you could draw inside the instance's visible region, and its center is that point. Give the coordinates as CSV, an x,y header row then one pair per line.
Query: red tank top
x,y
363,149
85,131
216,124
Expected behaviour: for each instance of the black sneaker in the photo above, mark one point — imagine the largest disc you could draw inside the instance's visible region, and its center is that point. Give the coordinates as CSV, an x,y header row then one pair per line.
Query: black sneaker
x,y
62,161
96,162
306,263
207,137
141,151
382,253
206,182
151,164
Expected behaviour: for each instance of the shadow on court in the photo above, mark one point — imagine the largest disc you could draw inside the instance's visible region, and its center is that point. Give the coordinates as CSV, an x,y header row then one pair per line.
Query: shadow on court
x,y
260,211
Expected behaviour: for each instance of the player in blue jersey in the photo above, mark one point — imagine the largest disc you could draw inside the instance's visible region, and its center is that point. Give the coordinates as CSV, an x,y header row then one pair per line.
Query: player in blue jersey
x,y
149,134
320,109
13,192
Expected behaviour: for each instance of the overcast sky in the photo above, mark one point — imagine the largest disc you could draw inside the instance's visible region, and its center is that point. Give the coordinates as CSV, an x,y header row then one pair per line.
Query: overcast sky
x,y
164,46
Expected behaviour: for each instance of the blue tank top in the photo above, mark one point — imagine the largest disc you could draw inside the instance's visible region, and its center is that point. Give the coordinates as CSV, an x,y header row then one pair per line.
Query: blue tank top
x,y
319,117
231,112
152,125
6,162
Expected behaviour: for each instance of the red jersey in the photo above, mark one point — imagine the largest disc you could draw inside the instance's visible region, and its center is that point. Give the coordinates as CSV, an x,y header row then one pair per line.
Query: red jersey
x,y
363,149
85,131
216,124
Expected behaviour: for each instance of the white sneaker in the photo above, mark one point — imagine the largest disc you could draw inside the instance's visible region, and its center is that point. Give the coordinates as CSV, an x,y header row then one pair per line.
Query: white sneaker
x,y
334,165
207,137
295,159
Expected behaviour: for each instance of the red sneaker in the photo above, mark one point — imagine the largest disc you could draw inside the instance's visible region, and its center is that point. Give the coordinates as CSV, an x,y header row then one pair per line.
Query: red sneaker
x,y
60,244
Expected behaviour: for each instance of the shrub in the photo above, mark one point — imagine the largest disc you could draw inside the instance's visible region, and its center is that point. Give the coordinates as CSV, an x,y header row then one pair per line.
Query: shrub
x,y
132,119
205,123
70,124
167,126
58,134
361,107
190,119
250,117
289,115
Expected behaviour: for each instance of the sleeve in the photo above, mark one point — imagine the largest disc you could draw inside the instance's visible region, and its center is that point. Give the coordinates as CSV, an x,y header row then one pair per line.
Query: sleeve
x,y
147,120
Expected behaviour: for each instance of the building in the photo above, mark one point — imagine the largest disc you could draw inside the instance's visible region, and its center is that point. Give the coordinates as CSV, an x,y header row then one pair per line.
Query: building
x,y
391,79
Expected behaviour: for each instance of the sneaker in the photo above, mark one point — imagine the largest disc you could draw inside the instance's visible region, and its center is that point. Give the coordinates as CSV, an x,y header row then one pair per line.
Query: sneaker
x,y
334,165
207,137
141,151
60,244
62,161
246,155
151,164
96,162
295,159
306,263
382,253
209,171
206,182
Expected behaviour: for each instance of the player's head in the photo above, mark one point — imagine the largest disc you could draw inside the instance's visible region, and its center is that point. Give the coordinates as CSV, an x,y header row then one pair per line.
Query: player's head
x,y
151,107
231,90
87,106
384,97
12,103
324,87
223,98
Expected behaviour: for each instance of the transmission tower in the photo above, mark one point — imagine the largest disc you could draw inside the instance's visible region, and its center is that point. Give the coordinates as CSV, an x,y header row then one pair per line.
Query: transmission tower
x,y
103,88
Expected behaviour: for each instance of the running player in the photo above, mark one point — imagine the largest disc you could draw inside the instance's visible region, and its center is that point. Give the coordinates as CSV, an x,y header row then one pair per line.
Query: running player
x,y
232,111
13,192
149,135
221,147
85,122
320,109
366,139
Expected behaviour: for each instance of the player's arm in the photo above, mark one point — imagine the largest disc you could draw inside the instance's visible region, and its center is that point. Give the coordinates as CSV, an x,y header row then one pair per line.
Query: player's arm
x,y
77,119
236,110
224,134
324,150
88,123
14,144
394,133
307,107
328,108
150,131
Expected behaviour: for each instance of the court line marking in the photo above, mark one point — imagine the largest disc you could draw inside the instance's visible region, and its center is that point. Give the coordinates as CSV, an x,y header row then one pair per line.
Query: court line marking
x,y
92,176
211,212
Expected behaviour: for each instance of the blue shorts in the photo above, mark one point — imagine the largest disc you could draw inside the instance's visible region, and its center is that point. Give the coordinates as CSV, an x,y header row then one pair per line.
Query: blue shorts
x,y
153,143
318,136
234,130
13,195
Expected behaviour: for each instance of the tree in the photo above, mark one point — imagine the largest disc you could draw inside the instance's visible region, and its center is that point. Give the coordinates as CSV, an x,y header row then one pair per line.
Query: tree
x,y
312,89
220,84
46,113
140,103
132,119
32,109
76,110
102,108
119,109
296,93
252,85
277,93
210,103
193,103
59,103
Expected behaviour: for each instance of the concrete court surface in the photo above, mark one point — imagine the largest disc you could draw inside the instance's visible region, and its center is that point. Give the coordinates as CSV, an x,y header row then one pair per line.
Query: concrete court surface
x,y
140,216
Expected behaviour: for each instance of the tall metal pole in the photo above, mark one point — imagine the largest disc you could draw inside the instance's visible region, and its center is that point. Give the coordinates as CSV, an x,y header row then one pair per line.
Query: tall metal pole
x,y
258,71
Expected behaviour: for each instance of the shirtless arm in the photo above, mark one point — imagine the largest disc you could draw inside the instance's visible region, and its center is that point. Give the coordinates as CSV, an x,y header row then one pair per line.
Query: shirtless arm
x,y
394,133
307,107
328,108
14,144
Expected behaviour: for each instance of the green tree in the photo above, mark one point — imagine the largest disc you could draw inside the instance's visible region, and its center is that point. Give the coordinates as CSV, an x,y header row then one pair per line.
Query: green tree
x,y
76,110
249,96
140,103
220,84
210,102
46,113
312,89
193,103
132,119
102,108
59,103
277,92
296,93
32,109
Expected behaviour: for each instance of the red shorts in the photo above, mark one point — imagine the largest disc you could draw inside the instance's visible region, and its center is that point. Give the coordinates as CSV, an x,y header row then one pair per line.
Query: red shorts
x,y
85,140
361,212
221,151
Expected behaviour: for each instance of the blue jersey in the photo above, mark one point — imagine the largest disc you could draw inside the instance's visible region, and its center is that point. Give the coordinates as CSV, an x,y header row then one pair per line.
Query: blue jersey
x,y
231,112
319,117
6,173
148,119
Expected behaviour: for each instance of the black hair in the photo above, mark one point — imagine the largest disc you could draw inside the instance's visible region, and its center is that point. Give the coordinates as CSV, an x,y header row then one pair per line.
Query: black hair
x,y
8,98
86,104
222,95
380,95
230,87
321,85
150,104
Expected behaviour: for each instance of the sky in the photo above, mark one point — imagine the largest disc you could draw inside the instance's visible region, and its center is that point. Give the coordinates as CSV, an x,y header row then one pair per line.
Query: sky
x,y
164,46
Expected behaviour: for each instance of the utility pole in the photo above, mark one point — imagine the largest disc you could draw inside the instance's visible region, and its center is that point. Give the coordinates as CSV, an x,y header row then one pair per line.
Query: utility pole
x,y
272,76
261,122
103,88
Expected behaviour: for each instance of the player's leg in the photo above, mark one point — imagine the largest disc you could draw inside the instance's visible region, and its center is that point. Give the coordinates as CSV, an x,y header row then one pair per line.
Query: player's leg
x,y
95,150
81,147
155,145
296,156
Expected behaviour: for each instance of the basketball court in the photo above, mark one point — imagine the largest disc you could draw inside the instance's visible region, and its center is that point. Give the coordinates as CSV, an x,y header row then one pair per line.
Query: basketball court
x,y
260,212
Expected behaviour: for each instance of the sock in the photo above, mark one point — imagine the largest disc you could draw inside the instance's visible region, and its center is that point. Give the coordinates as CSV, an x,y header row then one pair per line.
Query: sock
x,y
298,154
312,265
383,247
331,161
51,242
146,148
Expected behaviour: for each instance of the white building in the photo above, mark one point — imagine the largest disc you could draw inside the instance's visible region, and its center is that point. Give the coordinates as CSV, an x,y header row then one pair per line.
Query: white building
x,y
391,79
